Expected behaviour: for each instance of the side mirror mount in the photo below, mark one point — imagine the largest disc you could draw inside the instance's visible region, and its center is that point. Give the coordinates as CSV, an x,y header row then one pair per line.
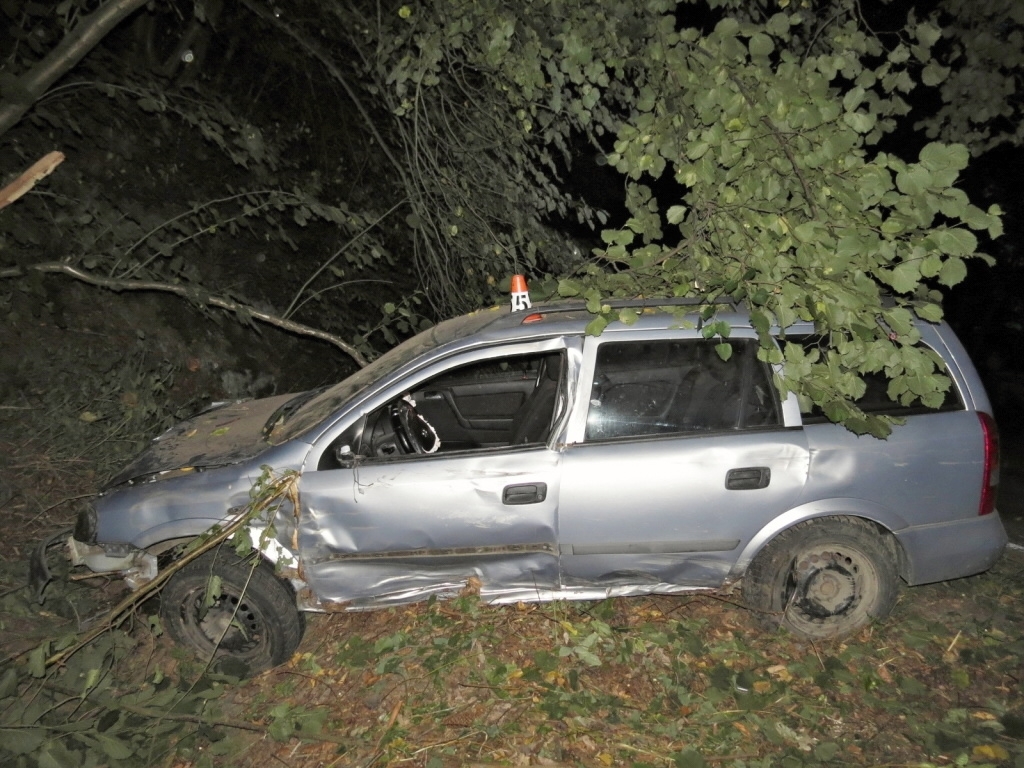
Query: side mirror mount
x,y
345,456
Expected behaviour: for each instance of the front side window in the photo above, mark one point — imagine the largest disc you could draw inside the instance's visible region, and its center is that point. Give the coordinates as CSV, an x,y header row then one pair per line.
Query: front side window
x,y
665,387
500,402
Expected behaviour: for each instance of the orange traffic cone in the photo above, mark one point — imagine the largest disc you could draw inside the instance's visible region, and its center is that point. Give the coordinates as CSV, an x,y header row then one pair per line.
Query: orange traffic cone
x,y
520,294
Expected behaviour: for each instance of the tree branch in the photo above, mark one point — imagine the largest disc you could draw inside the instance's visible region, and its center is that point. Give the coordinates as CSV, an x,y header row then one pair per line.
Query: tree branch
x,y
284,486
71,50
113,284
38,171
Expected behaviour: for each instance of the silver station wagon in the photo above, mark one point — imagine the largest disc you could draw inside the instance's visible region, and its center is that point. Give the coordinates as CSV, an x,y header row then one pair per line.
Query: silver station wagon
x,y
514,453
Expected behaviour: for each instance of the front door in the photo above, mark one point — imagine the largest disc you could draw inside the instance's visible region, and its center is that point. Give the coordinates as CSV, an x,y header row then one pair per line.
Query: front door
x,y
385,525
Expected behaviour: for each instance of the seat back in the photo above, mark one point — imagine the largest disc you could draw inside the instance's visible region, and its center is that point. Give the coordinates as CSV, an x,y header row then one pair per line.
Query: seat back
x,y
533,421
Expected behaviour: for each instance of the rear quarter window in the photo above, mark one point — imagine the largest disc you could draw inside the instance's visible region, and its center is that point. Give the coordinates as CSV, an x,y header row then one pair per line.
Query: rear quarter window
x,y
876,398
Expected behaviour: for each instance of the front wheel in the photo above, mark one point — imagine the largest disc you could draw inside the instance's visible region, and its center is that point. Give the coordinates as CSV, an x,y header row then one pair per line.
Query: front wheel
x,y
825,578
250,616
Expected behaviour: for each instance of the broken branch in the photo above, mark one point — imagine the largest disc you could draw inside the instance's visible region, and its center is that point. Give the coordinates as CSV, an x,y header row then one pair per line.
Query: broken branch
x,y
39,170
114,284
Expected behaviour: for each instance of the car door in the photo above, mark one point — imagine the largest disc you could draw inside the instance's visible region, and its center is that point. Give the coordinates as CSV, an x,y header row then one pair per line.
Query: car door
x,y
381,526
676,460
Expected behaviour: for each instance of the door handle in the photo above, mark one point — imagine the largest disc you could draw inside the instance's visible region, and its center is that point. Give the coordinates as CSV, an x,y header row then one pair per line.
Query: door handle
x,y
526,493
747,478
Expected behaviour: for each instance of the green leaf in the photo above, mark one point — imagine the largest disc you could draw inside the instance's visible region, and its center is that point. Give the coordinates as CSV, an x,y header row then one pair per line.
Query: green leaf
x,y
934,74
727,27
91,678
54,754
281,729
115,749
761,45
905,277
930,312
956,242
37,660
931,265
689,759
861,122
596,326
826,751
914,180
938,156
22,741
953,272
995,229
568,288
900,320
213,591
8,683
676,214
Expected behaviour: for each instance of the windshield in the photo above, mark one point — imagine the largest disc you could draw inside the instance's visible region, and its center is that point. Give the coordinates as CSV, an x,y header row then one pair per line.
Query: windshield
x,y
320,407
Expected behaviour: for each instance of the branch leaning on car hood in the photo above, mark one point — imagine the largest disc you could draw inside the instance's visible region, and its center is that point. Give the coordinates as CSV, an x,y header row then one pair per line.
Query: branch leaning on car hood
x,y
276,489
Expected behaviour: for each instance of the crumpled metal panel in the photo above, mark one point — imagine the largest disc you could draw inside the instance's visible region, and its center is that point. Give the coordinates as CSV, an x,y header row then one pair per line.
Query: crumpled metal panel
x,y
227,434
402,531
363,584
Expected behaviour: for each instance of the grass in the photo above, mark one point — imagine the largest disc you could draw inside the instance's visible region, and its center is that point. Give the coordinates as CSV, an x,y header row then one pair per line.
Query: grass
x,y
648,682
635,682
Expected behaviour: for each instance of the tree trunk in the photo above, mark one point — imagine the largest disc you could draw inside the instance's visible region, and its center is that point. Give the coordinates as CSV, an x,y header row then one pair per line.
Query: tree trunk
x,y
71,50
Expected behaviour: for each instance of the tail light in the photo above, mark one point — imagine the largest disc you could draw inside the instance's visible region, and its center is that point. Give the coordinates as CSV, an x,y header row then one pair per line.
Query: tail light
x,y
990,476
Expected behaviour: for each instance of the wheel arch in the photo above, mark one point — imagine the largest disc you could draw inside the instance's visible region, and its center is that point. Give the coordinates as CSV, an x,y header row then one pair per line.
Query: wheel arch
x,y
886,522
169,534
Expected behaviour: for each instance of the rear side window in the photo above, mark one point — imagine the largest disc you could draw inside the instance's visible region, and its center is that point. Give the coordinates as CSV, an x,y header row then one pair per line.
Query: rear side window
x,y
664,387
876,398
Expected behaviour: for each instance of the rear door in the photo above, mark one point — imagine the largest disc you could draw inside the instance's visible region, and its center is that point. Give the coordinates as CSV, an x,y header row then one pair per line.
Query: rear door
x,y
679,459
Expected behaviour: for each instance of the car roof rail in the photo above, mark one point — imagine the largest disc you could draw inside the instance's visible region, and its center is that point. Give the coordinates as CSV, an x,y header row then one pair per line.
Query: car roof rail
x,y
576,305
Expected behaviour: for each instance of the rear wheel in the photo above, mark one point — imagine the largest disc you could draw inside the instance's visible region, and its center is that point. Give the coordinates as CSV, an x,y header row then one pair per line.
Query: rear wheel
x,y
825,578
250,618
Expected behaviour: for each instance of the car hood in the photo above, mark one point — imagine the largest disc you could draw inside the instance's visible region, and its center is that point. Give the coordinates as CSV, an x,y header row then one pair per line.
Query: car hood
x,y
227,433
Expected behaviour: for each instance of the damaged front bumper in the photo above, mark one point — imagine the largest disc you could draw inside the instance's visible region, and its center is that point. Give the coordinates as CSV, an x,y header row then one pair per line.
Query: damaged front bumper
x,y
137,567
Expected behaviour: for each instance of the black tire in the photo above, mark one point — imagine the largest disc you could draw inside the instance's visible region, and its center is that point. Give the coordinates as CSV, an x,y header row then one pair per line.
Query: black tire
x,y
824,578
254,622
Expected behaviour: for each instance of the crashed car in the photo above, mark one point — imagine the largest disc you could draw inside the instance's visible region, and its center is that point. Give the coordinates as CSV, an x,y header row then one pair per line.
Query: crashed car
x,y
518,454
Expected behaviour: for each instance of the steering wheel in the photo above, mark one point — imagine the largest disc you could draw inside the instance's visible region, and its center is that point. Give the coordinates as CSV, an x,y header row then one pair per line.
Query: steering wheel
x,y
414,433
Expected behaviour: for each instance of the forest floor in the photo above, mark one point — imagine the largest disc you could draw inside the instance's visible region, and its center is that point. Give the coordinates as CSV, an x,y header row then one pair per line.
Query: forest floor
x,y
636,682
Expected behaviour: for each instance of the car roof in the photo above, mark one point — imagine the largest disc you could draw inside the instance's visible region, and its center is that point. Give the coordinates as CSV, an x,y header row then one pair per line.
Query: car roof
x,y
544,319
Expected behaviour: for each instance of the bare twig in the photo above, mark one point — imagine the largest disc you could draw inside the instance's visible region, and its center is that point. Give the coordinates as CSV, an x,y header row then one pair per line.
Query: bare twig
x,y
292,307
315,51
67,53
